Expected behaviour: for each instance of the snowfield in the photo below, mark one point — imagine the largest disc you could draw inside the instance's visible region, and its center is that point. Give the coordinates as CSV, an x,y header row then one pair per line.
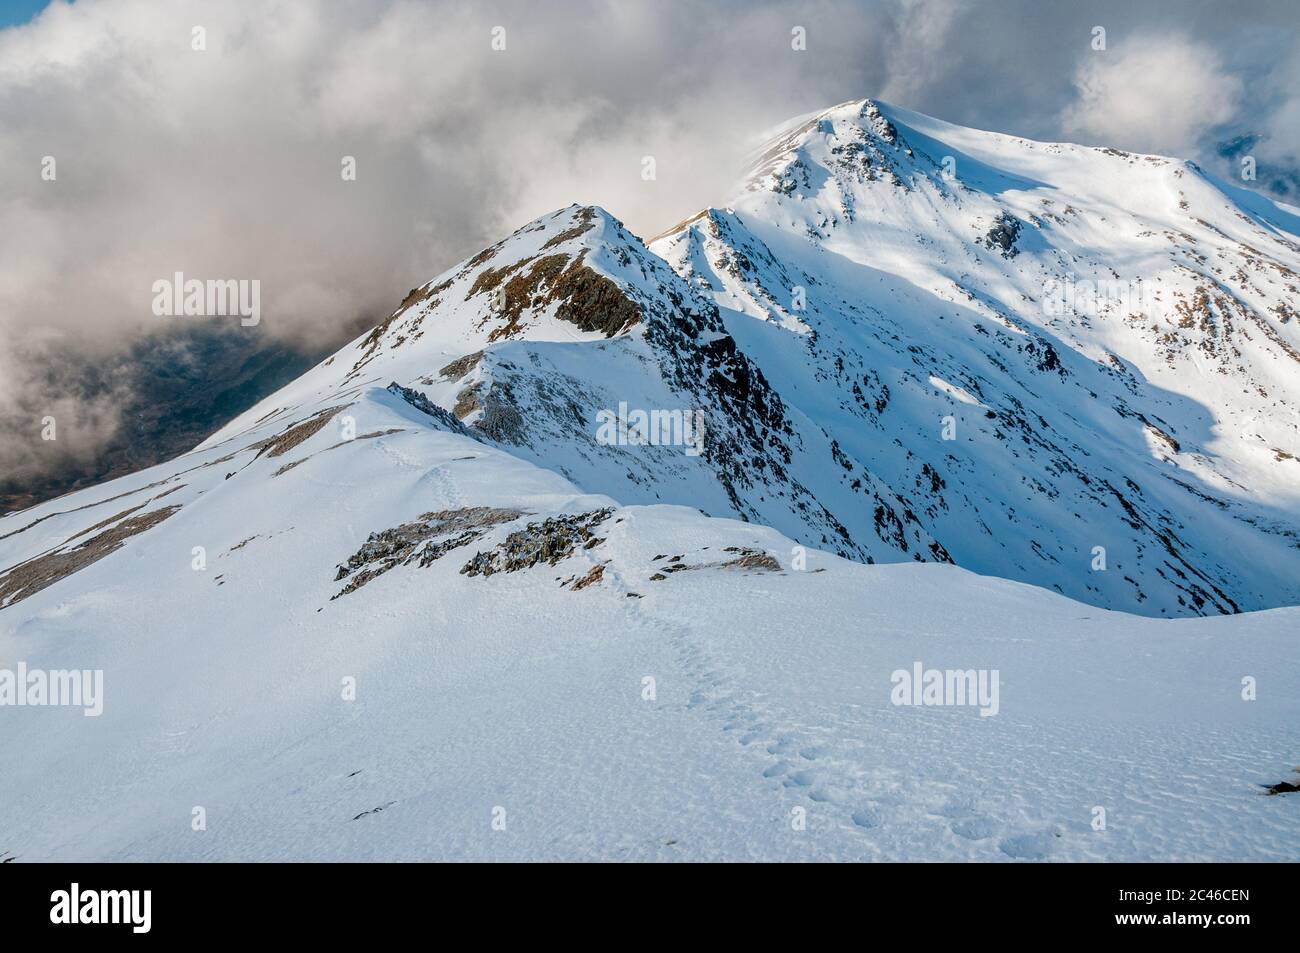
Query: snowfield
x,y
224,689
412,607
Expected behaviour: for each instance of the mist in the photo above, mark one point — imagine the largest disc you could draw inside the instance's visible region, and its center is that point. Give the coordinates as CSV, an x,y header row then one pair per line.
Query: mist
x,y
341,153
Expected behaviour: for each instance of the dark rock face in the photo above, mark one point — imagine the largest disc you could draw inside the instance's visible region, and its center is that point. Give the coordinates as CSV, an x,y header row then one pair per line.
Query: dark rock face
x,y
426,406
583,297
1283,787
1003,235
429,538
549,541
593,302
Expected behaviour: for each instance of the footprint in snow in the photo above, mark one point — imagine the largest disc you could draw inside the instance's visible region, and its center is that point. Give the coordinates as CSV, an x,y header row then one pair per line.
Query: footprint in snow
x,y
781,746
803,779
828,794
1038,846
866,817
975,828
957,806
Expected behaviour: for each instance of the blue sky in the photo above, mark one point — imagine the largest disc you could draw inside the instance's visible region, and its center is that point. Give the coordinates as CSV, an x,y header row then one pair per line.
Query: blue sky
x,y
13,12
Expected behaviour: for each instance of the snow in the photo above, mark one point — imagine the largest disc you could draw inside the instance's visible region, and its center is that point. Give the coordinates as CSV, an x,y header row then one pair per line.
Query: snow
x,y
509,716
902,289
772,692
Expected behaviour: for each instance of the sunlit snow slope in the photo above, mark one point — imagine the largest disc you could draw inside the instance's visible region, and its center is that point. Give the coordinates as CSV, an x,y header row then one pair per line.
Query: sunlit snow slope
x,y
525,691
1114,336
414,605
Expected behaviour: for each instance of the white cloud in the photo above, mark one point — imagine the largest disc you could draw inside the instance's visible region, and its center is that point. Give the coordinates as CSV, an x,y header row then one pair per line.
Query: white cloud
x,y
225,163
1152,93
1282,125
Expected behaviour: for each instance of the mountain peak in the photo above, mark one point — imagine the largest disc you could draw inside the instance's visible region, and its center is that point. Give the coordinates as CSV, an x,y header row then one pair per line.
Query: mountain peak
x,y
994,273
902,341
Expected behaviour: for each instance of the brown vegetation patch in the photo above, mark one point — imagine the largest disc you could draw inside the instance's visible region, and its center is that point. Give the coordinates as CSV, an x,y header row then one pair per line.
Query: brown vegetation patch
x,y
78,509
285,441
593,577
112,519
483,257
413,297
31,577
365,436
586,298
586,217
679,227
461,366
127,512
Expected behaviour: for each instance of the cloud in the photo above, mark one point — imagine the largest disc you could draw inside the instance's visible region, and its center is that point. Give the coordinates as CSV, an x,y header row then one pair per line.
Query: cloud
x,y
918,59
1281,127
225,162
1153,93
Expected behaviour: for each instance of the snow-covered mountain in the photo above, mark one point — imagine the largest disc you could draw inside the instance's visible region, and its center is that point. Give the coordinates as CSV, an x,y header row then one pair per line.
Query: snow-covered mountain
x,y
907,341
1113,335
569,556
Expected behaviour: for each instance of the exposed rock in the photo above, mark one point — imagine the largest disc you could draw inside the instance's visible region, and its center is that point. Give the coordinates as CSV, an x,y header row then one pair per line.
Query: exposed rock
x,y
1003,234
583,297
591,578
500,420
461,366
467,401
750,559
586,217
744,558
549,541
426,406
401,545
1282,787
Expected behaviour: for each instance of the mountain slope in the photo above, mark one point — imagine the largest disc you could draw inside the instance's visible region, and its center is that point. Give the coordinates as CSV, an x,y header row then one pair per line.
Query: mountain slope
x,y
1112,336
413,645
1073,367
531,339
450,595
